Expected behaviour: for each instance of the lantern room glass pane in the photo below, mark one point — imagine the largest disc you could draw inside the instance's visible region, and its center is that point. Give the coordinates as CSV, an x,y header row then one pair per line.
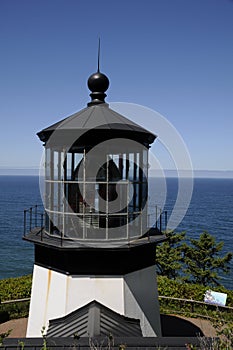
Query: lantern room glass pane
x,y
145,165
100,205
47,163
55,167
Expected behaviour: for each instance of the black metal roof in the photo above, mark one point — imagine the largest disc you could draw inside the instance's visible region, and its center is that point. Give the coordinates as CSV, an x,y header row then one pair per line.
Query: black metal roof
x,y
93,320
93,124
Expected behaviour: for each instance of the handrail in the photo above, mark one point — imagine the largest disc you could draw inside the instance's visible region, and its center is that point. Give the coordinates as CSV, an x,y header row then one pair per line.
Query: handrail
x,y
34,216
195,302
14,301
160,297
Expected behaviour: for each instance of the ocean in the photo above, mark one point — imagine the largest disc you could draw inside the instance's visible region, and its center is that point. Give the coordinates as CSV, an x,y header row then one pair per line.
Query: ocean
x,y
211,209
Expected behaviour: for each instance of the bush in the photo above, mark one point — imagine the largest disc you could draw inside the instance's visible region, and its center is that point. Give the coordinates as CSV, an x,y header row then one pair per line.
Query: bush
x,y
15,288
179,289
11,289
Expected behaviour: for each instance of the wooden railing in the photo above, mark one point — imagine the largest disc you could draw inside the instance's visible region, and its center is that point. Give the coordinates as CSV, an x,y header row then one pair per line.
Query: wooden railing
x,y
183,306
192,307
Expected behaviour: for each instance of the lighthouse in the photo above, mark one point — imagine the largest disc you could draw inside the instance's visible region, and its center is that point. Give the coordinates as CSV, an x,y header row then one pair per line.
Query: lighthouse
x,y
94,269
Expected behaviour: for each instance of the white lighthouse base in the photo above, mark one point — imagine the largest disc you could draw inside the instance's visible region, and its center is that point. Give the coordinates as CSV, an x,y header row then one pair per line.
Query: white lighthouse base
x,y
55,295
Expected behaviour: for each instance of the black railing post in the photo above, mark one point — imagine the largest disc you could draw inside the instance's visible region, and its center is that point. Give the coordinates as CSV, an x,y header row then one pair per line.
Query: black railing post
x,y
36,215
30,225
160,220
156,217
165,220
25,221
41,227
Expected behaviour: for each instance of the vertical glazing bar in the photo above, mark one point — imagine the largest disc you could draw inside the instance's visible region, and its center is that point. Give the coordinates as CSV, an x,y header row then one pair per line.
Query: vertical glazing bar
x,y
65,167
59,166
145,182
120,165
126,204
64,190
134,180
59,188
59,183
140,181
107,197
51,199
141,217
72,166
156,216
127,165
47,186
84,193
127,217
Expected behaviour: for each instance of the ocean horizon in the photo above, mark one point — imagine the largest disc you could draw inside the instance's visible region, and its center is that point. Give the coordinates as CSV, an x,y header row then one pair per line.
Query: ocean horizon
x,y
219,174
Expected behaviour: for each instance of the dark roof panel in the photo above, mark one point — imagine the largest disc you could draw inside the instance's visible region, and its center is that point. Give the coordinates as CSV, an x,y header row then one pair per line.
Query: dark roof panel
x,y
100,118
94,319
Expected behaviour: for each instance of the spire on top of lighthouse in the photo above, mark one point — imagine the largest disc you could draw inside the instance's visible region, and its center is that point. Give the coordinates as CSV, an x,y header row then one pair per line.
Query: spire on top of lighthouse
x,y
98,84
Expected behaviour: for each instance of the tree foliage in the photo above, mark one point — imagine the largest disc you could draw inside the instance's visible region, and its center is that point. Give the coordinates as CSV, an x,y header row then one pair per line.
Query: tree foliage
x,y
203,261
169,255
196,260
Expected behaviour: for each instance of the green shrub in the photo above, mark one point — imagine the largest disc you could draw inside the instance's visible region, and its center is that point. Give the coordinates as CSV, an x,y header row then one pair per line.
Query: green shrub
x,y
16,310
15,288
179,289
11,289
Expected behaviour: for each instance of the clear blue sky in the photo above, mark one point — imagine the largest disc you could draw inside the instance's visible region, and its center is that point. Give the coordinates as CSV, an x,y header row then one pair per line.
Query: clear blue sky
x,y
174,56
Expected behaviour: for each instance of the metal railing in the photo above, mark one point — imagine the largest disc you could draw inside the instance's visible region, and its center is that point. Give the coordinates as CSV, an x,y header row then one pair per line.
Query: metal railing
x,y
35,221
34,217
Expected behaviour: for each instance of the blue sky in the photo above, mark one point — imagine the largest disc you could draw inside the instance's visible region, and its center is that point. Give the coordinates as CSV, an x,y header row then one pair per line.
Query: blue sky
x,y
174,56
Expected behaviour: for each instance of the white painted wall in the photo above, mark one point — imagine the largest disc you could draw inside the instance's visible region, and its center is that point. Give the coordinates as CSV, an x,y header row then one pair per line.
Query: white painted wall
x,y
107,290
47,298
55,295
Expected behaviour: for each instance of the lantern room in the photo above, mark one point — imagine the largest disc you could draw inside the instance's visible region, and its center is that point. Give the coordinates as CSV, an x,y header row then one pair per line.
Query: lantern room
x,y
96,168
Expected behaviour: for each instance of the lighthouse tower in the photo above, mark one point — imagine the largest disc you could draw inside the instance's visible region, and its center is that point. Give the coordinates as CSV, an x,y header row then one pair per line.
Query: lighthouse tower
x,y
94,251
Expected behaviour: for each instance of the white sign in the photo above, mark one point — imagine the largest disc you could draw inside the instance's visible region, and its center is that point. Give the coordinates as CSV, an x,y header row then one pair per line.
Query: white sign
x,y
215,298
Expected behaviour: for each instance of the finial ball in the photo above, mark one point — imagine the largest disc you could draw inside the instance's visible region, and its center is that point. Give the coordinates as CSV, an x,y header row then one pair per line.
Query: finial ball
x,y
98,82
